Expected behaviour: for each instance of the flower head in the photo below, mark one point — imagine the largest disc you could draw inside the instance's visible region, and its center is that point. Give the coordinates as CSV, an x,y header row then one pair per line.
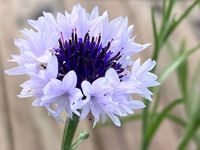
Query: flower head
x,y
80,63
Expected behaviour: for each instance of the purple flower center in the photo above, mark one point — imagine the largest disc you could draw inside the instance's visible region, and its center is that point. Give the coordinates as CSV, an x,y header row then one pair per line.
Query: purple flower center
x,y
87,57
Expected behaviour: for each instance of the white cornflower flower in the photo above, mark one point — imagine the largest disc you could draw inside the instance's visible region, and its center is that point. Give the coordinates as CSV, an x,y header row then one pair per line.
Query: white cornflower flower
x,y
80,63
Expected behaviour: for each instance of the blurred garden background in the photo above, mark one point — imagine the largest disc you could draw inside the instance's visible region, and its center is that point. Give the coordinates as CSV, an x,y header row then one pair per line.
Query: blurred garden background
x,y
23,127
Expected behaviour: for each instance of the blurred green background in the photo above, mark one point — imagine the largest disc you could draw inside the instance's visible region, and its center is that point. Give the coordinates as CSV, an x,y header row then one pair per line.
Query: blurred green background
x,y
23,127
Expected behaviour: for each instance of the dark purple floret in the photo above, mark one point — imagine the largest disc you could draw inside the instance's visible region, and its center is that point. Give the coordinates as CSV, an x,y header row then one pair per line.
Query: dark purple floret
x,y
87,57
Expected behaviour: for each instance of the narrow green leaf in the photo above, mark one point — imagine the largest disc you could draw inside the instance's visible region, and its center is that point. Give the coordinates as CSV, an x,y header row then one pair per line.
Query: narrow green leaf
x,y
155,32
172,67
180,19
182,71
177,63
194,94
160,117
166,15
179,121
191,129
171,49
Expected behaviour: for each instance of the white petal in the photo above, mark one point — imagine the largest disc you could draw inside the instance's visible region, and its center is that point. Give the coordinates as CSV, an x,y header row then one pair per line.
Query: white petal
x,y
61,106
69,81
54,100
53,89
86,87
112,77
36,102
85,111
25,93
54,114
94,13
133,48
75,94
115,119
129,87
136,104
50,19
94,110
100,87
16,71
136,66
95,122
52,67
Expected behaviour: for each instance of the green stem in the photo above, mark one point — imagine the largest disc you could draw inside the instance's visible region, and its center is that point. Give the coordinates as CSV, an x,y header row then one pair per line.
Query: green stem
x,y
75,145
146,109
145,115
83,136
69,132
